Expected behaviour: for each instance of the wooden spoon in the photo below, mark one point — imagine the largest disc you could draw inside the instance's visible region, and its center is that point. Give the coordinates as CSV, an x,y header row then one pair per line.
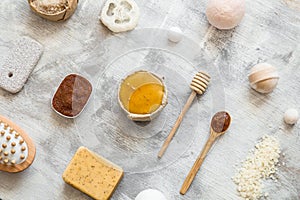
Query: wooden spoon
x,y
199,85
219,124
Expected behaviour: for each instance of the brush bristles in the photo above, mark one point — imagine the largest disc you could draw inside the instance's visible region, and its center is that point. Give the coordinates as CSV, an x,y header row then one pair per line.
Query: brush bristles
x,y
13,148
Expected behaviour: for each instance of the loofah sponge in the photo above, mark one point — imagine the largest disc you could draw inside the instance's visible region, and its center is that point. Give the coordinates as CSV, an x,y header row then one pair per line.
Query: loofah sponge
x,y
120,15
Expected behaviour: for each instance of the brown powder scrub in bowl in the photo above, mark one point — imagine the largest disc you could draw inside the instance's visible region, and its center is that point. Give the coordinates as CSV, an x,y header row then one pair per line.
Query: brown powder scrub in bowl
x,y
71,96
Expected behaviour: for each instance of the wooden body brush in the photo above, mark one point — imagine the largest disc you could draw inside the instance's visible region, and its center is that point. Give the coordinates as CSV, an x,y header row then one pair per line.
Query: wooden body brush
x,y
17,150
198,85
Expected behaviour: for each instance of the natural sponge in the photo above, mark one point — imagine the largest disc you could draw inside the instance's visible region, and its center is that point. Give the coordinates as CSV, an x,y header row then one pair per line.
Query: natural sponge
x,y
120,15
225,14
92,174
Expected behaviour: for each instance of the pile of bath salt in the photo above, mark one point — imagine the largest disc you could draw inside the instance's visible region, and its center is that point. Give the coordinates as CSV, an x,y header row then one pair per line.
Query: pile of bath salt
x,y
50,6
259,165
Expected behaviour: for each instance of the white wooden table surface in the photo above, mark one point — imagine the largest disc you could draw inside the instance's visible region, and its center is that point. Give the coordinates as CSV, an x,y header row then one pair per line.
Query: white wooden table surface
x,y
270,31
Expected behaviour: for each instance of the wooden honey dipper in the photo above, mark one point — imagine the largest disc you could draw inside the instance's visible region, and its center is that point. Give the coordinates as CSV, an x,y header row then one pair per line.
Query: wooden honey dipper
x,y
198,86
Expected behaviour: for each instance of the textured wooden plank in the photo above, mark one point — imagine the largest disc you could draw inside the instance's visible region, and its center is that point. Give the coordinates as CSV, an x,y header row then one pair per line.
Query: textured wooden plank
x,y
269,32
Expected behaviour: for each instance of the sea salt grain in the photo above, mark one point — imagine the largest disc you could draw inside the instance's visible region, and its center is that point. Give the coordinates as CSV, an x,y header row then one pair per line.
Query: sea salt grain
x,y
50,6
259,165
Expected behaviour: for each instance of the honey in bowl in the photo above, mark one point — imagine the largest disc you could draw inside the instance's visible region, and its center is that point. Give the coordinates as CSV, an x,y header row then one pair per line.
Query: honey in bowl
x,y
142,95
146,98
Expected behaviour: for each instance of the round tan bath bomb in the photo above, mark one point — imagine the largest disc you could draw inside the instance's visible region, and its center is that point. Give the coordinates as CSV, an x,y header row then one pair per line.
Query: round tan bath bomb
x,y
263,78
225,14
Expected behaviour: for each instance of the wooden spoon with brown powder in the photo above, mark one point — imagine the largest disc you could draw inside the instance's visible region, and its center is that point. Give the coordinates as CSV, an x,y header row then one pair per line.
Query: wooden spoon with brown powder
x,y
219,124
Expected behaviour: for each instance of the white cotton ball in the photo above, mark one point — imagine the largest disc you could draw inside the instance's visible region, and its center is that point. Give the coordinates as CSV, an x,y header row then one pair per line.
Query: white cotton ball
x,y
150,194
291,116
175,34
225,14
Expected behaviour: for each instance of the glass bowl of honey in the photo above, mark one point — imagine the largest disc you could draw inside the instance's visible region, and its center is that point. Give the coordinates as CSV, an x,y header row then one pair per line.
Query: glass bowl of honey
x,y
142,95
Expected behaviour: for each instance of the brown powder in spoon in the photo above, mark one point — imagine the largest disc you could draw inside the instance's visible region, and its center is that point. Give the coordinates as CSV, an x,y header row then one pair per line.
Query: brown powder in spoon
x,y
220,122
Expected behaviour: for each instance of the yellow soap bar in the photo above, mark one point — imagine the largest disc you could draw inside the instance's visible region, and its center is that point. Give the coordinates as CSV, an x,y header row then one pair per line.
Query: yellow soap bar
x,y
93,174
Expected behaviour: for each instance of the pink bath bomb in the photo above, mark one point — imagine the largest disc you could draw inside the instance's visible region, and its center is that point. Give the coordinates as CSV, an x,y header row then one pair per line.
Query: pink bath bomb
x,y
225,14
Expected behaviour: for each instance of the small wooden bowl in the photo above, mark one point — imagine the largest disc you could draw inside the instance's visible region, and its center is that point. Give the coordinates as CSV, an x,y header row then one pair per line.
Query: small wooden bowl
x,y
62,15
152,115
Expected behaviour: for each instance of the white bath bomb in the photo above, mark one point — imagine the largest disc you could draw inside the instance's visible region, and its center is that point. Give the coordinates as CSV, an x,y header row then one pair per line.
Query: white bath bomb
x,y
150,194
175,34
291,116
225,14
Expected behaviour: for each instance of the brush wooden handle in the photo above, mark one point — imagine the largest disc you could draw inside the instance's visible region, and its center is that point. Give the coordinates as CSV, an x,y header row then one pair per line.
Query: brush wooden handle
x,y
177,123
189,179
